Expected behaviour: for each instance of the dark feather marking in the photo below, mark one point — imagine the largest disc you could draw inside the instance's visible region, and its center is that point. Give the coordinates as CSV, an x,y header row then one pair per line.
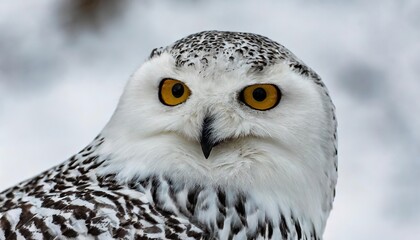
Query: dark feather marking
x,y
80,212
40,224
192,198
152,229
169,234
261,228
120,233
25,216
66,231
220,220
90,160
57,219
5,226
298,229
7,205
137,225
230,236
145,182
113,198
313,233
194,234
270,229
148,218
173,221
93,230
176,228
284,229
155,184
240,208
95,165
235,227
221,196
25,233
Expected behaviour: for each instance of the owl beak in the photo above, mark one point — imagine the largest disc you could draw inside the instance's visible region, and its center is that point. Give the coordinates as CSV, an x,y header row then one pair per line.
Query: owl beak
x,y
207,142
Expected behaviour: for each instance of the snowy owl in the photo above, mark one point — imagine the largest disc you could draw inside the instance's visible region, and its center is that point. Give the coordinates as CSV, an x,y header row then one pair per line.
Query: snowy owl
x,y
220,135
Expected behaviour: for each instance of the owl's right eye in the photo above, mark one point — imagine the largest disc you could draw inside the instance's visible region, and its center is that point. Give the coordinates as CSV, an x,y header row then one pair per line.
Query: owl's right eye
x,y
173,92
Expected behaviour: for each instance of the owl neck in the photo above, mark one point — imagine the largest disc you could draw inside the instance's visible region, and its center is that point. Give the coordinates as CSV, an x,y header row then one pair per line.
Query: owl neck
x,y
232,206
224,212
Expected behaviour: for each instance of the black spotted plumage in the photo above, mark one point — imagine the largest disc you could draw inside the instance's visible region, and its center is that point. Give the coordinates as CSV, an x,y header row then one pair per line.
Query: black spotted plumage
x,y
72,192
255,50
57,202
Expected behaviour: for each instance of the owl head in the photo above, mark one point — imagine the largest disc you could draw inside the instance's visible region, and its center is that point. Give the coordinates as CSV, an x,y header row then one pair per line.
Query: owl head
x,y
233,110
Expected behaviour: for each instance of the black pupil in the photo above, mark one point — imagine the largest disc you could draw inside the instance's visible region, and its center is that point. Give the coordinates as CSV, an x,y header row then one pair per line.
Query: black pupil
x,y
178,90
259,94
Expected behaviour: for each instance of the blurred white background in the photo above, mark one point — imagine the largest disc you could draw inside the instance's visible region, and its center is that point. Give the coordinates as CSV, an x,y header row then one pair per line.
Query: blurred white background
x,y
63,65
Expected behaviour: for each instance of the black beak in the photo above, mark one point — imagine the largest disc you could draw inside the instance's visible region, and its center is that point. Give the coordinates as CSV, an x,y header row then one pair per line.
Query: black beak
x,y
207,141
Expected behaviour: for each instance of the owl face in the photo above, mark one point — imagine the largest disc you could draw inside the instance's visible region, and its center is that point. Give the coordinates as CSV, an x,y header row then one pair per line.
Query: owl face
x,y
222,117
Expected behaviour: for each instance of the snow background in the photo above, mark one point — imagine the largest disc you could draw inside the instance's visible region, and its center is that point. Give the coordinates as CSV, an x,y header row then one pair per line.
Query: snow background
x,y
62,72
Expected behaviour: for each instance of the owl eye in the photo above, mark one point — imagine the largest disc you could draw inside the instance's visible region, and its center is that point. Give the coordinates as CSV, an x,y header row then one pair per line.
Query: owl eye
x,y
261,96
173,92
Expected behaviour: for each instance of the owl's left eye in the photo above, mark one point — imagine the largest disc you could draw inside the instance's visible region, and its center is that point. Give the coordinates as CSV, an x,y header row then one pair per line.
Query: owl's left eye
x,y
173,92
261,96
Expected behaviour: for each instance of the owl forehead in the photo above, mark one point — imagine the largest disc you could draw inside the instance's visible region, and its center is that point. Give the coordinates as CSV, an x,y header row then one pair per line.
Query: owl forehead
x,y
231,51
251,50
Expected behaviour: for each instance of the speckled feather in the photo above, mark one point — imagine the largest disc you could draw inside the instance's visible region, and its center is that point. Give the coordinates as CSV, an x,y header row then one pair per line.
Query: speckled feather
x,y
258,51
79,199
72,201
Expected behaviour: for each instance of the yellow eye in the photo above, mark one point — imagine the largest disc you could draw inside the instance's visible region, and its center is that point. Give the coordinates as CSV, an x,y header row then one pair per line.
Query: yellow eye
x,y
173,92
261,96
